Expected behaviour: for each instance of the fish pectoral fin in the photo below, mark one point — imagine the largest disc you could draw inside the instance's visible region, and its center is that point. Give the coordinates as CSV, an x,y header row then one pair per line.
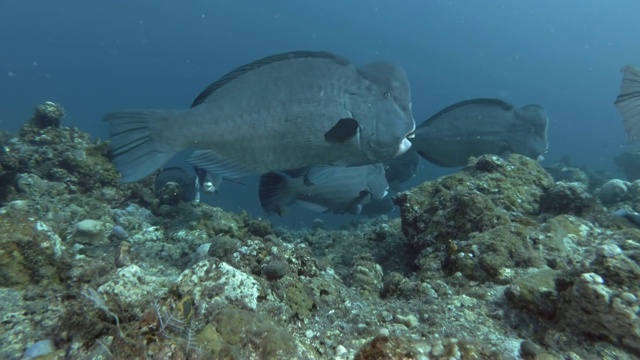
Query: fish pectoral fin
x,y
235,181
355,209
296,173
363,195
319,174
214,163
312,206
435,161
342,131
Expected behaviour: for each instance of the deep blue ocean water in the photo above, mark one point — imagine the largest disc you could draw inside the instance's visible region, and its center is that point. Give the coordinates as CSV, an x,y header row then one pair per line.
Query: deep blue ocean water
x,y
97,57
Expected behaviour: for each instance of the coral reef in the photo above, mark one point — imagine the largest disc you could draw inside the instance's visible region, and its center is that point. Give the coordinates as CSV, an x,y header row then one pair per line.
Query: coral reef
x,y
497,261
566,198
47,114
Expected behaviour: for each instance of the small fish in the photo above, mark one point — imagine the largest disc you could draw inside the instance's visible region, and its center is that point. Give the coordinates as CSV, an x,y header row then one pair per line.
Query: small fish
x,y
630,215
628,102
208,182
282,112
401,169
481,126
334,189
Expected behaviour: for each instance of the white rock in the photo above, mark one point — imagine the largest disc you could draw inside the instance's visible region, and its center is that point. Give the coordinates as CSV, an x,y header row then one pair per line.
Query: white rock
x,y
609,250
89,232
341,350
135,288
213,284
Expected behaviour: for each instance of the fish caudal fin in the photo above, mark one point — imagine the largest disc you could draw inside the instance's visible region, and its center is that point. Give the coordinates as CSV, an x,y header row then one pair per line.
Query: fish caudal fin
x,y
628,102
274,192
135,150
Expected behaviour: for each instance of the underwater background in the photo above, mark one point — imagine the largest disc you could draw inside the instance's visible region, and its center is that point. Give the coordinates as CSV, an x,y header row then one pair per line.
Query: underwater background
x,y
97,57
505,258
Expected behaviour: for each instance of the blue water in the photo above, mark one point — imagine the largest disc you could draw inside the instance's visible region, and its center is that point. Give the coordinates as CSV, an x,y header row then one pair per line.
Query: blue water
x,y
97,57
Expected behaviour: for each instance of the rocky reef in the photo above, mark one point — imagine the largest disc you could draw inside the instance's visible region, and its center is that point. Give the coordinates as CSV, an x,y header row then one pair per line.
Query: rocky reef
x,y
497,261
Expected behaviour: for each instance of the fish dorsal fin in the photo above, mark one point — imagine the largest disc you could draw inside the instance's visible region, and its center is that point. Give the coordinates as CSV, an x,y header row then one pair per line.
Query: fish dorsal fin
x,y
241,70
505,105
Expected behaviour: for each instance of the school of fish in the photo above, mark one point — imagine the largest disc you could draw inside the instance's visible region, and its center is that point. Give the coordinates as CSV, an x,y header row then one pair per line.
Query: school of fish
x,y
319,130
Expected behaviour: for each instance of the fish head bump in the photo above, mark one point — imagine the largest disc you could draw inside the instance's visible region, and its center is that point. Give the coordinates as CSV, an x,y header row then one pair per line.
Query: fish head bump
x,y
392,115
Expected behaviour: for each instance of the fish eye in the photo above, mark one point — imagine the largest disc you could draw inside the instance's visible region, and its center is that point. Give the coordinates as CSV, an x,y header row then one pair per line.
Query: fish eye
x,y
387,94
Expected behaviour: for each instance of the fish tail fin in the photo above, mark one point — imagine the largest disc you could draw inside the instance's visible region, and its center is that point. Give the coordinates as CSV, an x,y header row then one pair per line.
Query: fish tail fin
x,y
135,148
274,192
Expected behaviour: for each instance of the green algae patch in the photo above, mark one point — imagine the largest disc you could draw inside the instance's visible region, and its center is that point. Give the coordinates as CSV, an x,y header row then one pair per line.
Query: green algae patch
x,y
298,297
28,251
490,255
242,330
536,293
488,193
210,340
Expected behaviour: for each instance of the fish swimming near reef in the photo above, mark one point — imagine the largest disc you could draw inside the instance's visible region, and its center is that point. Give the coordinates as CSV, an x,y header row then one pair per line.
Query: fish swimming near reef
x,y
628,102
377,207
334,189
630,215
208,182
401,169
174,184
481,126
282,112
186,184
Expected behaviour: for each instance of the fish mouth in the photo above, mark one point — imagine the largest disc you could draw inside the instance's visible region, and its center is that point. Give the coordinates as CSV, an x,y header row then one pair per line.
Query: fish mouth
x,y
406,144
403,147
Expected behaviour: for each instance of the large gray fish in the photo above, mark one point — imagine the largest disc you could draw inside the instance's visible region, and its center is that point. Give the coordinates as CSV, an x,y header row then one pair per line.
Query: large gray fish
x,y
628,102
334,189
630,215
282,112
481,126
